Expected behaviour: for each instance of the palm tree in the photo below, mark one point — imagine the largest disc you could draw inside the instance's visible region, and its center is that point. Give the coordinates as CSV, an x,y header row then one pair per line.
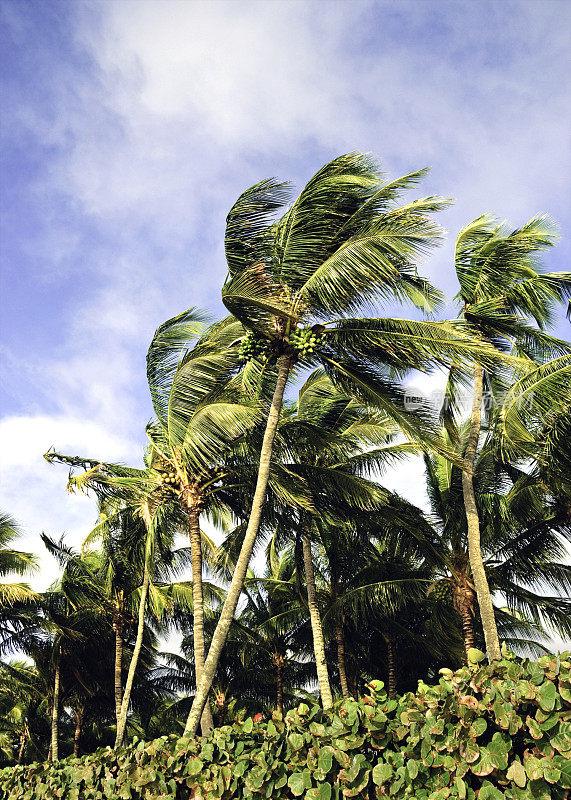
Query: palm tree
x,y
522,537
341,245
274,622
330,440
502,291
66,615
200,413
20,697
137,495
13,561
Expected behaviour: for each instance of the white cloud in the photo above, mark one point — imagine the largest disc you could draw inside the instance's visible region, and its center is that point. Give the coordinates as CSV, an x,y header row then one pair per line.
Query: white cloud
x,y
33,491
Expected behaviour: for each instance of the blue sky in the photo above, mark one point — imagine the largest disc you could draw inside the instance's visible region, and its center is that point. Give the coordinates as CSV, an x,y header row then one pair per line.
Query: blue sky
x,y
129,128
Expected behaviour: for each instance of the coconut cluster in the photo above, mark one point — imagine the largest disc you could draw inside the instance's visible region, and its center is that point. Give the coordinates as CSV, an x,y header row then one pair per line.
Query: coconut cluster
x,y
253,347
169,483
305,341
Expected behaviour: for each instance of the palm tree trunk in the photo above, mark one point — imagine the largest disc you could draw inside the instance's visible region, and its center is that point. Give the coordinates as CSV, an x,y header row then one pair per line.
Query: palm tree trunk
x,y
391,665
476,562
206,723
464,598
55,709
122,722
77,734
467,628
341,658
227,615
23,738
278,660
118,669
316,627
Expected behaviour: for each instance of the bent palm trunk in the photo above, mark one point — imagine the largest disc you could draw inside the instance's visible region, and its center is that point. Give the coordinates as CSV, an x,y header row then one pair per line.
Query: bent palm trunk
x,y
55,710
316,627
474,549
122,722
227,615
206,723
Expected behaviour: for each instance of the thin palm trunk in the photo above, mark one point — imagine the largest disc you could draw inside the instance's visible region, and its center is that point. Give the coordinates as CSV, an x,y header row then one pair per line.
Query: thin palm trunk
x,y
341,658
55,709
464,598
227,615
316,626
206,723
391,665
77,733
467,628
122,722
23,738
118,669
278,660
476,562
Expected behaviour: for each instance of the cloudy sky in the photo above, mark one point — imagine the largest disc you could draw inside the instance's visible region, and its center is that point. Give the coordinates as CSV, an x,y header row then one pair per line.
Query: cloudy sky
x,y
130,127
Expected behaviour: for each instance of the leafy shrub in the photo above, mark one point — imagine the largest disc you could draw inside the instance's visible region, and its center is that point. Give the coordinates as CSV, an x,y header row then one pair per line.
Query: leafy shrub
x,y
483,732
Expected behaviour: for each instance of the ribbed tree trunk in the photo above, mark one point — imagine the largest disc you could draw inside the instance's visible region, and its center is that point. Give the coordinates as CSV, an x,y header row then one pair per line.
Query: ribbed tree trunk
x,y
122,722
117,628
476,562
77,734
316,626
278,660
464,599
55,709
23,738
206,723
467,629
227,615
391,665
341,658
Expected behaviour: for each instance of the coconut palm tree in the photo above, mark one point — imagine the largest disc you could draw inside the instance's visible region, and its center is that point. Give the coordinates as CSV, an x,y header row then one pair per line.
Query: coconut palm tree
x,y
293,282
523,534
274,622
200,413
136,495
508,299
67,616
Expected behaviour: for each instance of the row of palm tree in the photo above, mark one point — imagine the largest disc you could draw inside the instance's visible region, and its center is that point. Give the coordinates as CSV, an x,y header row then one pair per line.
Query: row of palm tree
x,y
229,443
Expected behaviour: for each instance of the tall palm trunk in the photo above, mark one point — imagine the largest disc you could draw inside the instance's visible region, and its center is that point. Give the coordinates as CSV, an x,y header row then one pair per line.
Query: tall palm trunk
x,y
55,709
227,615
118,678
476,562
122,722
206,723
316,626
77,733
391,665
341,658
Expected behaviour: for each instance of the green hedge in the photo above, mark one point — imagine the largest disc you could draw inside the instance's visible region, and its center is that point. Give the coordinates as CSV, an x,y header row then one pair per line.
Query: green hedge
x,y
483,732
